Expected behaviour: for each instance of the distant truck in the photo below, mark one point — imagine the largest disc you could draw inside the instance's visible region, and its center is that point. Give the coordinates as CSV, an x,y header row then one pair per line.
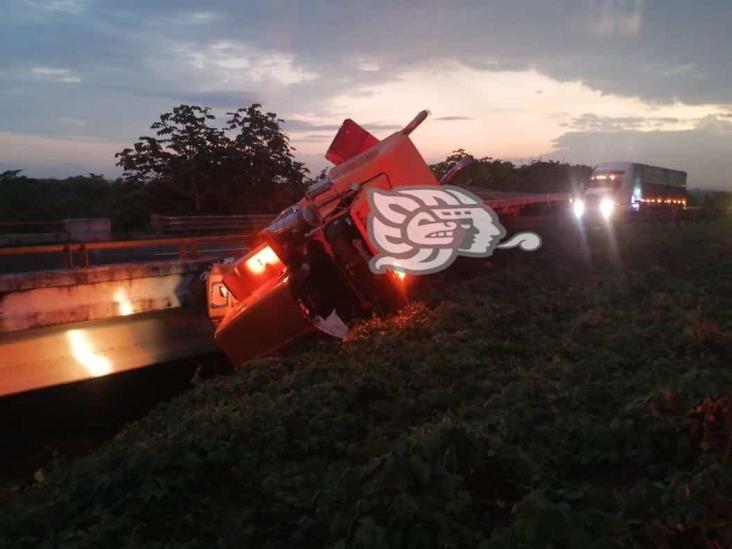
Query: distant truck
x,y
628,187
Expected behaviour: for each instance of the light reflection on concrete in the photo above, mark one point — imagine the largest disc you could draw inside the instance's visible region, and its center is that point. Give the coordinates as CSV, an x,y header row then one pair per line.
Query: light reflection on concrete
x,y
50,356
81,348
124,305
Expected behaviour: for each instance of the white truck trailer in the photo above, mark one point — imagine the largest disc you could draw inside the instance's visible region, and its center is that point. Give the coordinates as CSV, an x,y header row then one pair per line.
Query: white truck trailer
x,y
628,187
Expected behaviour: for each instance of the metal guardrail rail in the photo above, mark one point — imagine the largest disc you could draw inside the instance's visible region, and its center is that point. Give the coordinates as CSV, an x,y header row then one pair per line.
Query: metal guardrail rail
x,y
187,247
21,224
256,222
32,226
209,223
498,200
246,226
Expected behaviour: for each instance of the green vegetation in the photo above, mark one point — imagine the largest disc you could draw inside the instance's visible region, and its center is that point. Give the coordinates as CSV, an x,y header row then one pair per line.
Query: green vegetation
x,y
192,167
704,198
578,396
28,199
535,177
188,167
129,201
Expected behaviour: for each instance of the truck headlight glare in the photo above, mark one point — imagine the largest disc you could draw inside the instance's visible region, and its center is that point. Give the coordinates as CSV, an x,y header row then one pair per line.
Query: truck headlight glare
x,y
606,208
257,264
578,207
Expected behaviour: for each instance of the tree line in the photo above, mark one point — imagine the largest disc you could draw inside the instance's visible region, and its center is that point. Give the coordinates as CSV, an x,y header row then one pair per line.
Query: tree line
x,y
190,166
502,175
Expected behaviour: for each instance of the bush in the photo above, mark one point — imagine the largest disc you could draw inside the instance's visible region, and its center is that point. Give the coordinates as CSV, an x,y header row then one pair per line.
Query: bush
x,y
572,397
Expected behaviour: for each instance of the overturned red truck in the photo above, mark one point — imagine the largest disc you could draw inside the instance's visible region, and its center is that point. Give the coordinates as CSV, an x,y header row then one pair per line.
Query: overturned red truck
x,y
310,270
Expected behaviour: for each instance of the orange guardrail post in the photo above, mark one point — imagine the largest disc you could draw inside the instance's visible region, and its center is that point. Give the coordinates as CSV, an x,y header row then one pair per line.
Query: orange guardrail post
x,y
84,257
69,256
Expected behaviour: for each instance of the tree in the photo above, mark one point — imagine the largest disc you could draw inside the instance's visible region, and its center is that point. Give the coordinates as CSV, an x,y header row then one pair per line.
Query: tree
x,y
192,167
483,172
260,161
441,168
9,174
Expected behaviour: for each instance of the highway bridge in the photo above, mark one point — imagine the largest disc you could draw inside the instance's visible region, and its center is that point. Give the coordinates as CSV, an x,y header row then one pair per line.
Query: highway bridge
x,y
80,310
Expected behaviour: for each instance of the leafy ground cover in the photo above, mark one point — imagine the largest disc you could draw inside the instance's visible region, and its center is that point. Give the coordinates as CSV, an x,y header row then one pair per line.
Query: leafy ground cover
x,y
578,396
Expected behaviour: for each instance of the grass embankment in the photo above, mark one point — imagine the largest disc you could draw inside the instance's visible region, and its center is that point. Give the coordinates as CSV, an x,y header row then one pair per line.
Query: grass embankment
x,y
573,396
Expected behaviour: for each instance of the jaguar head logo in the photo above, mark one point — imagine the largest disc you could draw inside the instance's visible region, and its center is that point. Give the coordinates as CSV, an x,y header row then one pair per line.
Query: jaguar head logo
x,y
422,229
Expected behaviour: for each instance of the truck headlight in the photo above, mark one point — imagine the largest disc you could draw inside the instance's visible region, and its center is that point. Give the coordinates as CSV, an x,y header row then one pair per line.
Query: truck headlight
x,y
258,262
606,208
578,207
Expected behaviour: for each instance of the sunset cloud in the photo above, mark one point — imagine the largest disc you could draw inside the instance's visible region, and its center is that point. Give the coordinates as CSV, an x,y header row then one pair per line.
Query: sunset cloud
x,y
503,79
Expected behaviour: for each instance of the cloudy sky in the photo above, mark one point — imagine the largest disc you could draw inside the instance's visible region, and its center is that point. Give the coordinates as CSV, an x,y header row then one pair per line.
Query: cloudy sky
x,y
582,81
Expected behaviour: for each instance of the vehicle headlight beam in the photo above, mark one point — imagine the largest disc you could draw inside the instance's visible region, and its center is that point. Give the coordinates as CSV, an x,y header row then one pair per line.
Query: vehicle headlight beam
x,y
607,207
578,207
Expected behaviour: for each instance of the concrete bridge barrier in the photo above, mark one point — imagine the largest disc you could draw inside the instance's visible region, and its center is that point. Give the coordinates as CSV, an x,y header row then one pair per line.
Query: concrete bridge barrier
x,y
64,326
48,298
